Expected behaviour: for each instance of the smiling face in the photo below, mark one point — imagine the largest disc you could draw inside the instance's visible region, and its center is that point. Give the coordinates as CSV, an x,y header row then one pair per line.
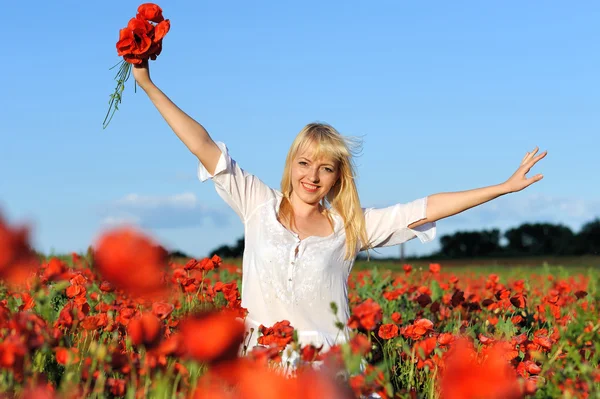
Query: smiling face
x,y
312,177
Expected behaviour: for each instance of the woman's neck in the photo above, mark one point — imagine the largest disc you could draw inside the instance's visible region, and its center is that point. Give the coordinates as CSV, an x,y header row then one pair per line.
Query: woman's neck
x,y
304,210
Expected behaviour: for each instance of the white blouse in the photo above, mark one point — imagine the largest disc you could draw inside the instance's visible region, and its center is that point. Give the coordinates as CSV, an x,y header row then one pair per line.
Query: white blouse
x,y
285,278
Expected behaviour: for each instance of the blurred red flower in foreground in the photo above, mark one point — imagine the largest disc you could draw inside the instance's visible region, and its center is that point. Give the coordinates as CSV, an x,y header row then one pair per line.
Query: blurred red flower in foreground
x,y
39,392
131,262
245,379
17,258
212,337
467,375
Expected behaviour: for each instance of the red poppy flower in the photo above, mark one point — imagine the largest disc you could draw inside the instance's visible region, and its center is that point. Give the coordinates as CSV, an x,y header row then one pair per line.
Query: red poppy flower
x,y
279,335
161,30
445,339
140,41
150,12
145,330
212,337
425,347
544,343
418,329
264,354
38,392
435,268
518,301
532,367
360,345
94,322
131,262
310,353
17,259
162,310
117,387
458,297
396,317
66,356
135,39
580,294
54,269
207,264
388,331
423,300
531,385
366,315
230,290
105,286
465,376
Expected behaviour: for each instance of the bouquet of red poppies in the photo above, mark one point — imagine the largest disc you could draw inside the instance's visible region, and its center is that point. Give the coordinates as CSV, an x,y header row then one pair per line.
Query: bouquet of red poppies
x,y
140,41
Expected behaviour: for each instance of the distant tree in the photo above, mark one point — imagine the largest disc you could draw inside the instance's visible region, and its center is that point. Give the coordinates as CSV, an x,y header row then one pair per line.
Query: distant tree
x,y
540,239
226,251
587,241
471,244
178,254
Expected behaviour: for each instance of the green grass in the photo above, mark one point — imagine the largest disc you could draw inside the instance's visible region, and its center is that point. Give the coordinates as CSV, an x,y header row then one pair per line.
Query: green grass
x,y
504,267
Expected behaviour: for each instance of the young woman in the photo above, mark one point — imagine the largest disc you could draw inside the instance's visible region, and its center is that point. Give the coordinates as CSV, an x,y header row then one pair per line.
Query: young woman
x,y
301,242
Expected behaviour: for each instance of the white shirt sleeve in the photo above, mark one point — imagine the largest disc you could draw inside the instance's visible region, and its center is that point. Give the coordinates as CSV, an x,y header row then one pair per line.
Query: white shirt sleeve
x,y
242,191
389,226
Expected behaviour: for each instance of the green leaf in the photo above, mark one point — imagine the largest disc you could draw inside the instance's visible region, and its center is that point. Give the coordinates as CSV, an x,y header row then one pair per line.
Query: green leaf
x,y
436,291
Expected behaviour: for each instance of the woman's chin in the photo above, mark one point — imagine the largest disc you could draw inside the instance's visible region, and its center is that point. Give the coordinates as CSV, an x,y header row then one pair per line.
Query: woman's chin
x,y
309,198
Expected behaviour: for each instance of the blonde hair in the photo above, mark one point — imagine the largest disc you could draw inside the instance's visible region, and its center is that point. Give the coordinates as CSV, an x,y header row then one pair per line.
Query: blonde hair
x,y
343,196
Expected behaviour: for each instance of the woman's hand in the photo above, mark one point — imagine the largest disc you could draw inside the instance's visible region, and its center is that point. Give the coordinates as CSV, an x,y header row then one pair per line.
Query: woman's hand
x,y
518,181
141,73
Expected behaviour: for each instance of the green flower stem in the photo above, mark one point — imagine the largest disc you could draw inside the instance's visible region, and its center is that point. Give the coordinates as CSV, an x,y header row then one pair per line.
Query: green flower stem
x,y
116,98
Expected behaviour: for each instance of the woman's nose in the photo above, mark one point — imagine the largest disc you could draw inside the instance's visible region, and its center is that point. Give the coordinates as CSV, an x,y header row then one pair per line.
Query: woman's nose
x,y
314,175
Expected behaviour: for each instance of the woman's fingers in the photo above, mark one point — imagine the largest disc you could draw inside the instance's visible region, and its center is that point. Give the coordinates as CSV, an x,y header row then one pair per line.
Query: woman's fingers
x,y
530,156
532,153
531,162
542,155
534,179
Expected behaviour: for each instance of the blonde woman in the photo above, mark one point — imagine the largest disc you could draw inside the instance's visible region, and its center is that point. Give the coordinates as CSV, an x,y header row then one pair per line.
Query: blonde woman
x,y
301,241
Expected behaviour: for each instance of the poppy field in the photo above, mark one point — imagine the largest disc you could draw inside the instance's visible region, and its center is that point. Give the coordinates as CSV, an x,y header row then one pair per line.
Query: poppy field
x,y
125,320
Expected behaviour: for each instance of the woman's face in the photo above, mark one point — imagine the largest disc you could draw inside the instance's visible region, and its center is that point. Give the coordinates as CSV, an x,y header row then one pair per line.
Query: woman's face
x,y
313,178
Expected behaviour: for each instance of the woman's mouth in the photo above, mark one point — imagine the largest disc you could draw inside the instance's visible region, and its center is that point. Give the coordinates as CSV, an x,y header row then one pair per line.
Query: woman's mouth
x,y
311,188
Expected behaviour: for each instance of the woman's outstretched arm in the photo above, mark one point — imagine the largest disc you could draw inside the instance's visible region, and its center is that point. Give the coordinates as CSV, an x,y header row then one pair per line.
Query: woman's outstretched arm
x,y
193,134
442,205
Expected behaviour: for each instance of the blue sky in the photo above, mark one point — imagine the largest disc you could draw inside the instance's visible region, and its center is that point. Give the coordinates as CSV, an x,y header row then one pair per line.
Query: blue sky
x,y
446,95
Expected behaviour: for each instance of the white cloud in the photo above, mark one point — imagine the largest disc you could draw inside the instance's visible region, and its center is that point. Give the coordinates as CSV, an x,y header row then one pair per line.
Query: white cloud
x,y
121,220
156,212
185,200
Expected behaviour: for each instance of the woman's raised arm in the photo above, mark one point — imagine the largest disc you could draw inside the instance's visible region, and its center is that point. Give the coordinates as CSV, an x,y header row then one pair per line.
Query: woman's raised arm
x,y
443,205
193,134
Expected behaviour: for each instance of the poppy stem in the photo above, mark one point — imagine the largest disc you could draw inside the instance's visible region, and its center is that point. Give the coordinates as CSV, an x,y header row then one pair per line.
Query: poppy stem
x,y
116,98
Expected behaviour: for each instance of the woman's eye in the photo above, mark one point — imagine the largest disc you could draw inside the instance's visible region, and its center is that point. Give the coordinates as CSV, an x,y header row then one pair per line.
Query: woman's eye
x,y
302,163
329,170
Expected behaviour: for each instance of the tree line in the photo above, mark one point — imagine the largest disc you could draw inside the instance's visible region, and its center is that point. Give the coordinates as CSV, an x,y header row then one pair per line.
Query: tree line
x,y
528,239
